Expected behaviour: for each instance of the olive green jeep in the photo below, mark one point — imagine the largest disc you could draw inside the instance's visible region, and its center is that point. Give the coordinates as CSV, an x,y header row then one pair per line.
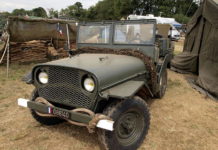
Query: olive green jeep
x,y
105,83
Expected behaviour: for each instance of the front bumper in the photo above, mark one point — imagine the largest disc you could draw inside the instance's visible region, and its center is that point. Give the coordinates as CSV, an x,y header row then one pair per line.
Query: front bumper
x,y
74,116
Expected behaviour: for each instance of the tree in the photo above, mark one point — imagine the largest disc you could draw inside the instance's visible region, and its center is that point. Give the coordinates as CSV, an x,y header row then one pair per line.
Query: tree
x,y
19,12
117,9
53,13
123,8
91,13
39,12
142,7
187,7
3,19
181,18
105,10
75,11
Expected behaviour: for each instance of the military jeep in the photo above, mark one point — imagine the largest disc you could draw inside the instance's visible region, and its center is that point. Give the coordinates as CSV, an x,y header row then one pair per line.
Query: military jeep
x,y
105,83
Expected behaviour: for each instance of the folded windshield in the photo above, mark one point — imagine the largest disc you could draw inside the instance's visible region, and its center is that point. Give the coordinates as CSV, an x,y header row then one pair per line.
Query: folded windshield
x,y
94,34
134,34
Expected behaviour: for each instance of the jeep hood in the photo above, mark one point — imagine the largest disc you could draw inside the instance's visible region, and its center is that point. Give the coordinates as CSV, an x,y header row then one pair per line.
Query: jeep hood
x,y
109,69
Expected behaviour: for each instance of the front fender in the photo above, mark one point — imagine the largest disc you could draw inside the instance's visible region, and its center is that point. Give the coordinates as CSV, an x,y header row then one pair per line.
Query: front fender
x,y
28,78
124,90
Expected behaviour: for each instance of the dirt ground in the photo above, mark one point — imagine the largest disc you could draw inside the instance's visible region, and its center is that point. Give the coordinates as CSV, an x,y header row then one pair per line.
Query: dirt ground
x,y
182,120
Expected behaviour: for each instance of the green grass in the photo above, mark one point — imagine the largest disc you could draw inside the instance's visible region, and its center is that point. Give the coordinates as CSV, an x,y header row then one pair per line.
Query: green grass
x,y
1,46
174,83
16,72
13,85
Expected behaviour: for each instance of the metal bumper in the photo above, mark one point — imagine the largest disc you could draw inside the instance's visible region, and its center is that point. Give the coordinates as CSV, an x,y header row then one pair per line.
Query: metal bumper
x,y
74,116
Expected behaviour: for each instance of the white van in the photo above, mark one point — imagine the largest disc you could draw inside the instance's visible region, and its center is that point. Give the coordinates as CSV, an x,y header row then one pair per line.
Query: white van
x,y
175,34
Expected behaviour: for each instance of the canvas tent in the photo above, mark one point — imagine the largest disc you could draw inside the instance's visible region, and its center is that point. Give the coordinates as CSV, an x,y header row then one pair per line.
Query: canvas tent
x,y
37,39
28,29
200,53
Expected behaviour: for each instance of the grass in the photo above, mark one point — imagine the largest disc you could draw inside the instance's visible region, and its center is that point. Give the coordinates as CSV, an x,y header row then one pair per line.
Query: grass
x,y
181,120
174,83
16,72
1,45
13,84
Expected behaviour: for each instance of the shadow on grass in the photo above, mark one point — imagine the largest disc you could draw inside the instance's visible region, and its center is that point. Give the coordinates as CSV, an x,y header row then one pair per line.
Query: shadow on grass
x,y
77,132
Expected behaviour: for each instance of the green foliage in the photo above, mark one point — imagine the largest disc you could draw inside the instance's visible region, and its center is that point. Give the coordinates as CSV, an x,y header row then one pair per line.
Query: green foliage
x,y
181,18
19,12
75,11
39,12
117,9
185,7
3,19
53,13
123,8
91,13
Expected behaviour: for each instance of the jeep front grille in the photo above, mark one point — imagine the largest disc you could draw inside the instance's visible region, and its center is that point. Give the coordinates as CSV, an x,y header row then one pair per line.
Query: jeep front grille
x,y
64,87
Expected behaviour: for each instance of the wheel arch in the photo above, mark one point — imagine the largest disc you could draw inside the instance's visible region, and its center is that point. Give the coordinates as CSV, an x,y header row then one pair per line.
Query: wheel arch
x,y
127,90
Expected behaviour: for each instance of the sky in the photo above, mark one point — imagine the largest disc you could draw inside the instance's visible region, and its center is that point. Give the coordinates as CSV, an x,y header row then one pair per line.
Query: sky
x,y
9,5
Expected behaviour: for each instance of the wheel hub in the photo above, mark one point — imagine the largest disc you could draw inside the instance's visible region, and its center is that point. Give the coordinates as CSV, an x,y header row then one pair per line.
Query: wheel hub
x,y
129,127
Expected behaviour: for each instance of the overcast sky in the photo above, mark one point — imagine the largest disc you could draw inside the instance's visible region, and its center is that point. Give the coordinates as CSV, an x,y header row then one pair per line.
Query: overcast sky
x,y
9,5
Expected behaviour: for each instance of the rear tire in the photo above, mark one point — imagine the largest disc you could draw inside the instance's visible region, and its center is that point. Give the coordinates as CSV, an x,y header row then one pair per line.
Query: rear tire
x,y
43,120
162,85
132,120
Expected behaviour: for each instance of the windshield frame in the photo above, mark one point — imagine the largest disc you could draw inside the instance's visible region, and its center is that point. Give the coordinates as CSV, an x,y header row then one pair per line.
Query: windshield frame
x,y
102,43
112,32
134,23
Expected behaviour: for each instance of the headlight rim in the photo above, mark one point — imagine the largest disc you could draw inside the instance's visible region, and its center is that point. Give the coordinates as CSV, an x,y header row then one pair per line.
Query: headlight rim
x,y
84,86
39,80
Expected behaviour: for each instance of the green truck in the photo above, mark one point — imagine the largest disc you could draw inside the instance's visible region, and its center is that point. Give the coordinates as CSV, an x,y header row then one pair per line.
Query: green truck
x,y
105,83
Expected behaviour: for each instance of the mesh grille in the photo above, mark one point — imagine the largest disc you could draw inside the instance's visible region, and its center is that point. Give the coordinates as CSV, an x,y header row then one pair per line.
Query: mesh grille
x,y
64,87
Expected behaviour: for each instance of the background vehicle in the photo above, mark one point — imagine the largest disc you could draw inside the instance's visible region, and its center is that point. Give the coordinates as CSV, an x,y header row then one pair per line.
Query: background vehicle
x,y
175,35
104,83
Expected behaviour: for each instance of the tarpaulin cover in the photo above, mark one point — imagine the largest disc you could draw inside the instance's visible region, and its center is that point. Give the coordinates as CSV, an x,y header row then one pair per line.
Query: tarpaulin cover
x,y
200,53
27,29
163,30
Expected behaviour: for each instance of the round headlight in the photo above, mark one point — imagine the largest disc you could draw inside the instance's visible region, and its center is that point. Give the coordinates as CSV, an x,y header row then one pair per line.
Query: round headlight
x,y
89,84
43,77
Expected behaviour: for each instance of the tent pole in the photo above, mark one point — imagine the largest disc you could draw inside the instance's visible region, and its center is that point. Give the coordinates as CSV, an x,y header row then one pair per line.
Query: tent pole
x,y
68,37
58,35
6,46
8,54
68,40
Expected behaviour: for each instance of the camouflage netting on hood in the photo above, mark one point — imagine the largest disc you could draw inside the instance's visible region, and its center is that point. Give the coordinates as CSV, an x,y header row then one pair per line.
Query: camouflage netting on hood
x,y
129,52
200,51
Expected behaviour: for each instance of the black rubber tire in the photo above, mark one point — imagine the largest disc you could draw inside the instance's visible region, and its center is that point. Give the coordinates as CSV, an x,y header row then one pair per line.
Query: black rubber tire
x,y
49,121
110,139
162,85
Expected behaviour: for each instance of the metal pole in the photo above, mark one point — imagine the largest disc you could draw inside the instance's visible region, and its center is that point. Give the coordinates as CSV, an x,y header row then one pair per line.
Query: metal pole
x,y
68,37
58,35
8,57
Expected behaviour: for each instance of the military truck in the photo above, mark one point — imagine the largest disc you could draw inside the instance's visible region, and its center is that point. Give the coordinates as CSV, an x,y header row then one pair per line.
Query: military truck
x,y
105,83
